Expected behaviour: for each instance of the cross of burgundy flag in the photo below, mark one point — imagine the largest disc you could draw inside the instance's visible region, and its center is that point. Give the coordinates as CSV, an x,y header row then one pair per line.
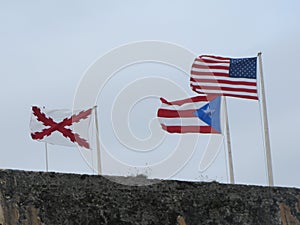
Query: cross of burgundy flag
x,y
57,126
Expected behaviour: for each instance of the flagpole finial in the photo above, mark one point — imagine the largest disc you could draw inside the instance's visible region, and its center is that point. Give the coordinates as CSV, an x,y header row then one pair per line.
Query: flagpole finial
x,y
259,53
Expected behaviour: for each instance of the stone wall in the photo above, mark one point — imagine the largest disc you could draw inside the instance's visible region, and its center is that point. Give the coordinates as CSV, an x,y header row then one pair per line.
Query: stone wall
x,y
34,198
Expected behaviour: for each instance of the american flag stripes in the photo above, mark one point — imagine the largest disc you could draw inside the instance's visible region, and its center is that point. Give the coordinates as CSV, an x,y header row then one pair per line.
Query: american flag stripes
x,y
224,76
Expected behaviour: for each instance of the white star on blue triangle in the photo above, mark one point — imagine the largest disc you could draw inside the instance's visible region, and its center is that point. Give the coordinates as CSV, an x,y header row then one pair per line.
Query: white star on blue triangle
x,y
210,113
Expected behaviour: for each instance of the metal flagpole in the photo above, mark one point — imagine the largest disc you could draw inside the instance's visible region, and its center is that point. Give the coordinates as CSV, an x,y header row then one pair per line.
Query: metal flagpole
x,y
228,144
97,142
265,123
46,152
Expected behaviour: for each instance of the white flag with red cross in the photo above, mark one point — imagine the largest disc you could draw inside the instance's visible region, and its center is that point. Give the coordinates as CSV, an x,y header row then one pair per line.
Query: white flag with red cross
x,y
57,126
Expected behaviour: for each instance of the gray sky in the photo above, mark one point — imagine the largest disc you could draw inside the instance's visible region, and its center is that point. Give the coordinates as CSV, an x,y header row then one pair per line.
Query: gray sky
x,y
46,46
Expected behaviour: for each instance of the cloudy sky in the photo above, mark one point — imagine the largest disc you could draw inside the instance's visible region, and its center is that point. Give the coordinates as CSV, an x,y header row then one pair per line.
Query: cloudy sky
x,y
48,46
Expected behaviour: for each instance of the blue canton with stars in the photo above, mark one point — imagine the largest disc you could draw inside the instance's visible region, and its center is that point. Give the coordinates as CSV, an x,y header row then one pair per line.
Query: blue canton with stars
x,y
243,68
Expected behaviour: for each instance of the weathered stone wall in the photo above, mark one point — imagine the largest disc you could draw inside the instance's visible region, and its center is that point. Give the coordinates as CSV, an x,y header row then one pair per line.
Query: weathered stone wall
x,y
32,198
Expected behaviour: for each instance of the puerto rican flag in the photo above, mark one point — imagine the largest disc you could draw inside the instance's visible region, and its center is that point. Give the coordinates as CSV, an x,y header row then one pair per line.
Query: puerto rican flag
x,y
200,114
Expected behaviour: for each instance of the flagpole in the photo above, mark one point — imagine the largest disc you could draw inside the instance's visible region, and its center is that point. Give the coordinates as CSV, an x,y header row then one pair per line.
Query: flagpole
x,y
46,153
265,123
97,142
228,144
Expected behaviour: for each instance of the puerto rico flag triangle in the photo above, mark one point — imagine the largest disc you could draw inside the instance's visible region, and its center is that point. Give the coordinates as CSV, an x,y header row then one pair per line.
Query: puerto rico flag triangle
x,y
210,113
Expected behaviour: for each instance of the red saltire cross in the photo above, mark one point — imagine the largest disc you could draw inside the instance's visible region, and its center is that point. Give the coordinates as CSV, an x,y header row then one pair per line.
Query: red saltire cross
x,y
61,126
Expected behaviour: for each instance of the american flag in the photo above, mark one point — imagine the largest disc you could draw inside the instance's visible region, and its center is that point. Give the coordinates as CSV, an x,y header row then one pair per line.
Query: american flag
x,y
224,76
191,115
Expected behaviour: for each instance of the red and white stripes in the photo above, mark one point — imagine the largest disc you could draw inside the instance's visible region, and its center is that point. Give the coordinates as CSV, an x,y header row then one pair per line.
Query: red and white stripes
x,y
210,75
178,116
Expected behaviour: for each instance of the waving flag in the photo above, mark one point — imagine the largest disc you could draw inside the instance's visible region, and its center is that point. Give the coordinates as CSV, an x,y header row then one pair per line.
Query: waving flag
x,y
191,115
224,76
56,126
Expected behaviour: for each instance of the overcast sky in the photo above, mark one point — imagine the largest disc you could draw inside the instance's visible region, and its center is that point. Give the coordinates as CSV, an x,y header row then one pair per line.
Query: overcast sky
x,y
47,46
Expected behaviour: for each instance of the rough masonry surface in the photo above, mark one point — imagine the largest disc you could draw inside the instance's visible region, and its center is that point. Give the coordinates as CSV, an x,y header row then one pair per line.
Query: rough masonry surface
x,y
35,198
